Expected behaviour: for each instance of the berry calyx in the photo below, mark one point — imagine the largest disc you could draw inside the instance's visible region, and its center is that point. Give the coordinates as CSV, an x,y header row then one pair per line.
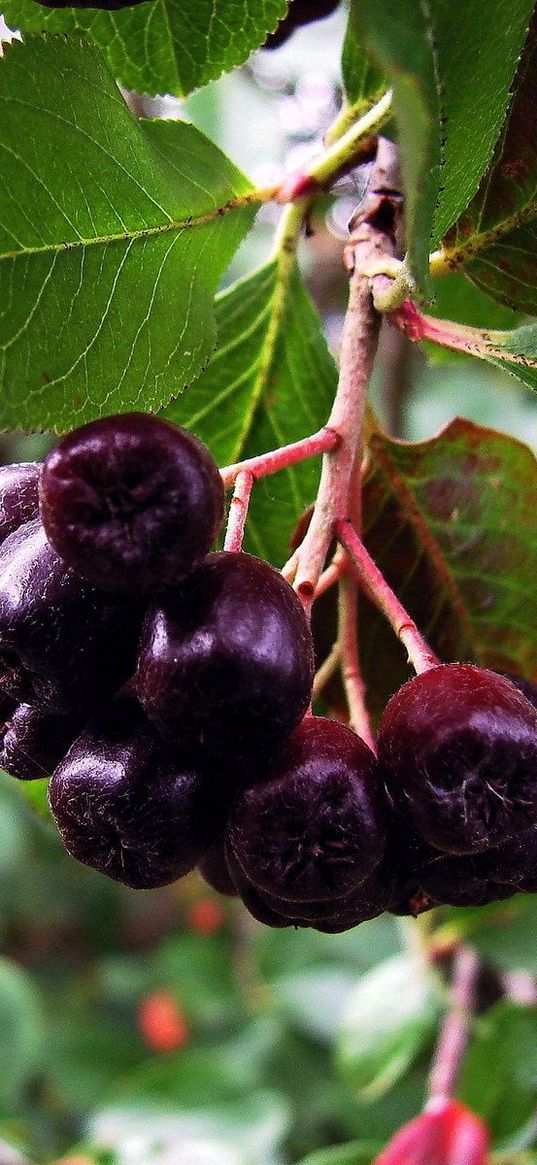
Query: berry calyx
x,y
132,503
457,747
314,828
226,661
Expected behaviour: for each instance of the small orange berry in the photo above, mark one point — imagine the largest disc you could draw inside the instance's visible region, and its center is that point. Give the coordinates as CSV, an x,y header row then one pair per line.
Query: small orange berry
x,y
206,916
162,1023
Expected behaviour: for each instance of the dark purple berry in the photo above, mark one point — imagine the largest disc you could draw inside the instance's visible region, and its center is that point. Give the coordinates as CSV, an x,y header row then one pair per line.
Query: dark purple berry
x,y
214,870
132,502
34,742
18,496
476,879
226,661
457,746
129,806
314,827
64,645
528,689
300,12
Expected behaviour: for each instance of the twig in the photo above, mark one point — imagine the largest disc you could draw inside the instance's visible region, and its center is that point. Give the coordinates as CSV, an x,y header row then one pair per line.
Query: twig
x,y
267,463
380,592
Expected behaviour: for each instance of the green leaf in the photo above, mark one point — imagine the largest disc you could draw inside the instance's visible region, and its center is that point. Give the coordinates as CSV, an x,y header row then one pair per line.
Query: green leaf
x,y
247,1132
451,71
291,951
312,1000
503,933
500,1069
35,795
270,382
495,239
356,1153
114,234
22,1027
165,46
361,80
388,1019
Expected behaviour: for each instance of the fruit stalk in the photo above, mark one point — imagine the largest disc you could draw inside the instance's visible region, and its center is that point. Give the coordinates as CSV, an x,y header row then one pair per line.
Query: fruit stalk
x,y
380,592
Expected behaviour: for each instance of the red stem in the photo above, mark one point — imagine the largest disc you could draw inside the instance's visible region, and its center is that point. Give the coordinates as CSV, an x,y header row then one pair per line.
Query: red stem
x,y
238,510
456,1027
277,459
378,590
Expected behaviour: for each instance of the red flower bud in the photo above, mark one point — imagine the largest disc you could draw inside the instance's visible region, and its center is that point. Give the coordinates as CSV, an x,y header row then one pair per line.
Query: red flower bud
x,y
447,1133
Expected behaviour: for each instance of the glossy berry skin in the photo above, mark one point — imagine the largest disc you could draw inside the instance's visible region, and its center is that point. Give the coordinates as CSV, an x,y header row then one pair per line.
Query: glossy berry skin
x,y
314,828
64,646
214,870
130,807
132,503
18,496
227,660
300,12
476,879
34,742
457,746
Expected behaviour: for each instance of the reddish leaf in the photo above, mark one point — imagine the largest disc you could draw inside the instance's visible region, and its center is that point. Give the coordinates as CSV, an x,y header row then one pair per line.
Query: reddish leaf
x,y
451,523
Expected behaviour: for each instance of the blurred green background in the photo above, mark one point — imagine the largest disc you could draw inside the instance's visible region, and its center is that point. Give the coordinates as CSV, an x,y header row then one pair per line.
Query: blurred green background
x,y
167,1027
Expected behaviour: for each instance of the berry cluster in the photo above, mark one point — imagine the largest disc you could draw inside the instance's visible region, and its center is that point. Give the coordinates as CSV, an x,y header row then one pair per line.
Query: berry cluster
x,y
165,687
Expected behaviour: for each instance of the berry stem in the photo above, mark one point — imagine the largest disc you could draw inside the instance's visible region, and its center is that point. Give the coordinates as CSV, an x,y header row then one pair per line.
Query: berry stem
x,y
326,671
267,463
456,1027
238,510
350,659
380,592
